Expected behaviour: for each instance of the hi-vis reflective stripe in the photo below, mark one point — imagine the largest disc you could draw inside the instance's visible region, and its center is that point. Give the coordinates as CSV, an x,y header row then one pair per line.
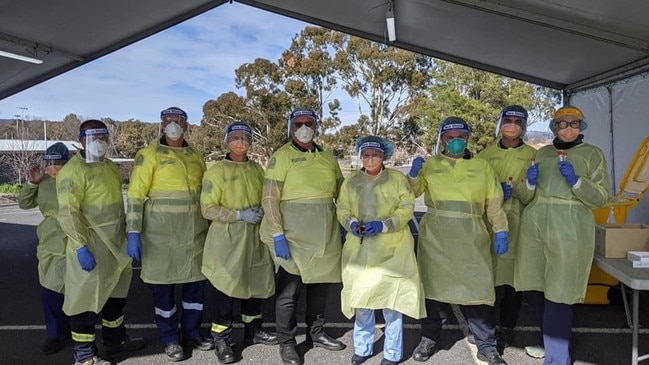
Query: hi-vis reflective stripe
x,y
249,319
113,324
82,337
165,314
218,328
193,306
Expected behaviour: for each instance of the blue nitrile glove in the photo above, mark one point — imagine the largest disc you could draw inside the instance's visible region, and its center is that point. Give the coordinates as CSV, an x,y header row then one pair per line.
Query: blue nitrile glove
x,y
532,174
281,247
251,215
507,190
568,171
356,229
134,245
373,228
417,164
86,258
501,243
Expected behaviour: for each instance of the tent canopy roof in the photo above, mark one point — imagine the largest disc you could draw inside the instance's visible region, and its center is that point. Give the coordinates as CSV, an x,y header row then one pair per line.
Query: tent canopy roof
x,y
564,44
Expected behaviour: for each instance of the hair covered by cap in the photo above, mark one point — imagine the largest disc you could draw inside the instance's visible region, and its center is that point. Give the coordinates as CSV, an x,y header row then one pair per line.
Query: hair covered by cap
x,y
375,142
515,111
297,112
57,151
238,126
173,110
454,124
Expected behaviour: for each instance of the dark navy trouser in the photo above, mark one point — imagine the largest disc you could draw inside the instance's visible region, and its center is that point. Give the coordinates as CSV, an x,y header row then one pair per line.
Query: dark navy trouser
x,y
57,323
166,311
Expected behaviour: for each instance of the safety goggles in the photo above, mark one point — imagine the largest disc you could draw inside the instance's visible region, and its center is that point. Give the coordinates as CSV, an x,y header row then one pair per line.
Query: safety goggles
x,y
372,157
563,124
298,125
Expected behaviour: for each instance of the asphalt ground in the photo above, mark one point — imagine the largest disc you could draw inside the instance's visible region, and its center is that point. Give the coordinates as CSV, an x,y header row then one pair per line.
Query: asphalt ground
x,y
601,335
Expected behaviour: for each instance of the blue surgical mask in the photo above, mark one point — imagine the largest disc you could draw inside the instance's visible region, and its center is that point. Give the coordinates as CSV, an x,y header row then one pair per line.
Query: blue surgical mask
x,y
456,146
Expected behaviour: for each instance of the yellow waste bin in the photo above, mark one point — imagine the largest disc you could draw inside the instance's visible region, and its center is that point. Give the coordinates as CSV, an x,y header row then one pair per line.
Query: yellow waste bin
x,y
634,183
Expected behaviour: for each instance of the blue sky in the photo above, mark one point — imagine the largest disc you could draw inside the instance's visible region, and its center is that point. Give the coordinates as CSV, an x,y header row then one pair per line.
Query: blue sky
x,y
184,66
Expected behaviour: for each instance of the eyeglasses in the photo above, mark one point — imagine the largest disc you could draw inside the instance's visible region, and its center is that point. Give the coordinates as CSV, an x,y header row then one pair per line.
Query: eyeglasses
x,y
563,124
371,157
299,125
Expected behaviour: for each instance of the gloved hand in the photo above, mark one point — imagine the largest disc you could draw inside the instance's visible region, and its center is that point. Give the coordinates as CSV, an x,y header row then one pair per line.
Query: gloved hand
x,y
417,164
507,190
251,215
373,228
568,171
281,247
501,243
86,259
356,229
532,174
134,245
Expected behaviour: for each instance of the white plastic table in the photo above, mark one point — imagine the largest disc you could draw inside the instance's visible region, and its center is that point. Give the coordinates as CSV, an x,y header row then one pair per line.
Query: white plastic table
x,y
637,280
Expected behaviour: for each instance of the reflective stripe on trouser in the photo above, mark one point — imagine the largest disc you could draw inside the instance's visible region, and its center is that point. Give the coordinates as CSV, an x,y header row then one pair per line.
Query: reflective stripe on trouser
x,y
57,323
222,317
364,324
83,329
167,312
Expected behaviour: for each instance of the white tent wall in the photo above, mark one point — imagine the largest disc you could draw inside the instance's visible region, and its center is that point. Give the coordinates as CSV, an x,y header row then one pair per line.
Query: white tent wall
x,y
623,106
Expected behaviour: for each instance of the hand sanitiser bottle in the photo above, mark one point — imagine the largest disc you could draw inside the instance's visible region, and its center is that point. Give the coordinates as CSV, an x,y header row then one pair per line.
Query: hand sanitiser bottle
x,y
611,216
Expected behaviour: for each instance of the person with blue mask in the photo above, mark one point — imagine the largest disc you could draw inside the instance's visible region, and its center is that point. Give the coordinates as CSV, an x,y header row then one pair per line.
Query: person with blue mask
x,y
557,235
235,261
40,191
302,181
510,157
379,268
454,248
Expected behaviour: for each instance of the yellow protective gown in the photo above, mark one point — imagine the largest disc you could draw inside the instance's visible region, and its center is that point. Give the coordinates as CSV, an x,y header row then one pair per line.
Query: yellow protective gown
x,y
51,239
454,249
164,206
298,200
382,271
509,162
91,213
557,238
235,260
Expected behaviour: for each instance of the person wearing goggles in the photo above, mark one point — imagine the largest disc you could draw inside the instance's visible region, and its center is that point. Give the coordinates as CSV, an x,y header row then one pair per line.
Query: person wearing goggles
x,y
557,234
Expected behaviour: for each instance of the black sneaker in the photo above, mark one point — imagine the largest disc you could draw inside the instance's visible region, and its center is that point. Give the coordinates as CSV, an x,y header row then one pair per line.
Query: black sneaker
x,y
95,360
52,346
129,344
174,352
200,343
492,358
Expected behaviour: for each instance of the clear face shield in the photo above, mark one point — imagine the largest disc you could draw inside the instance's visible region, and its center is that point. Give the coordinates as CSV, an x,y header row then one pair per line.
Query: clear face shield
x,y
372,159
97,144
239,142
52,164
173,126
511,126
452,143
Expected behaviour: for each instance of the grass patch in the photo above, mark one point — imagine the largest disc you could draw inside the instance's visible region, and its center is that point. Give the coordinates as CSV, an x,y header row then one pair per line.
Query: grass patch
x,y
10,188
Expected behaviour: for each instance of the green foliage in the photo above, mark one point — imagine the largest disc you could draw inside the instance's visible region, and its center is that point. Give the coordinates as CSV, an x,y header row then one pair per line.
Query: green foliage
x,y
10,188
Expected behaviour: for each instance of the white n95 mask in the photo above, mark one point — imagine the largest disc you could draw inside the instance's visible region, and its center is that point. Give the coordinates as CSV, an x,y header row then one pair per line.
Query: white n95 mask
x,y
304,134
173,131
96,150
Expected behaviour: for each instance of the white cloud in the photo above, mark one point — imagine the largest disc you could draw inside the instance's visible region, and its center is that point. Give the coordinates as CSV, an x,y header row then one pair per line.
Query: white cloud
x,y
184,66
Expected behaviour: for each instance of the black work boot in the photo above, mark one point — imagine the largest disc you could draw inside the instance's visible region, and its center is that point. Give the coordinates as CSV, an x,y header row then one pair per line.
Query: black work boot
x,y
504,338
254,334
424,350
224,352
289,355
492,358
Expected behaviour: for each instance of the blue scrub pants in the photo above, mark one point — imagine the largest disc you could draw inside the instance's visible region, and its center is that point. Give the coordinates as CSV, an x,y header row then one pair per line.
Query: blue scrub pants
x,y
364,333
166,312
557,333
57,323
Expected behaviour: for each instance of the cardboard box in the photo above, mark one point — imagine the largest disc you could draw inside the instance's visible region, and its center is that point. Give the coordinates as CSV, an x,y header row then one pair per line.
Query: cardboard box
x,y
615,240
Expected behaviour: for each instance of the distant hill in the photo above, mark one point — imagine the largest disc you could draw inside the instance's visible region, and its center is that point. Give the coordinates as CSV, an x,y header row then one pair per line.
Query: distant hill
x,y
7,121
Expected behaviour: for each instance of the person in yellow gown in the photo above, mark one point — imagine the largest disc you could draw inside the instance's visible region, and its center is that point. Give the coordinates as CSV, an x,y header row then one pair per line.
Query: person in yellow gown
x,y
235,261
557,235
302,181
509,157
454,248
98,270
379,268
40,191
166,231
